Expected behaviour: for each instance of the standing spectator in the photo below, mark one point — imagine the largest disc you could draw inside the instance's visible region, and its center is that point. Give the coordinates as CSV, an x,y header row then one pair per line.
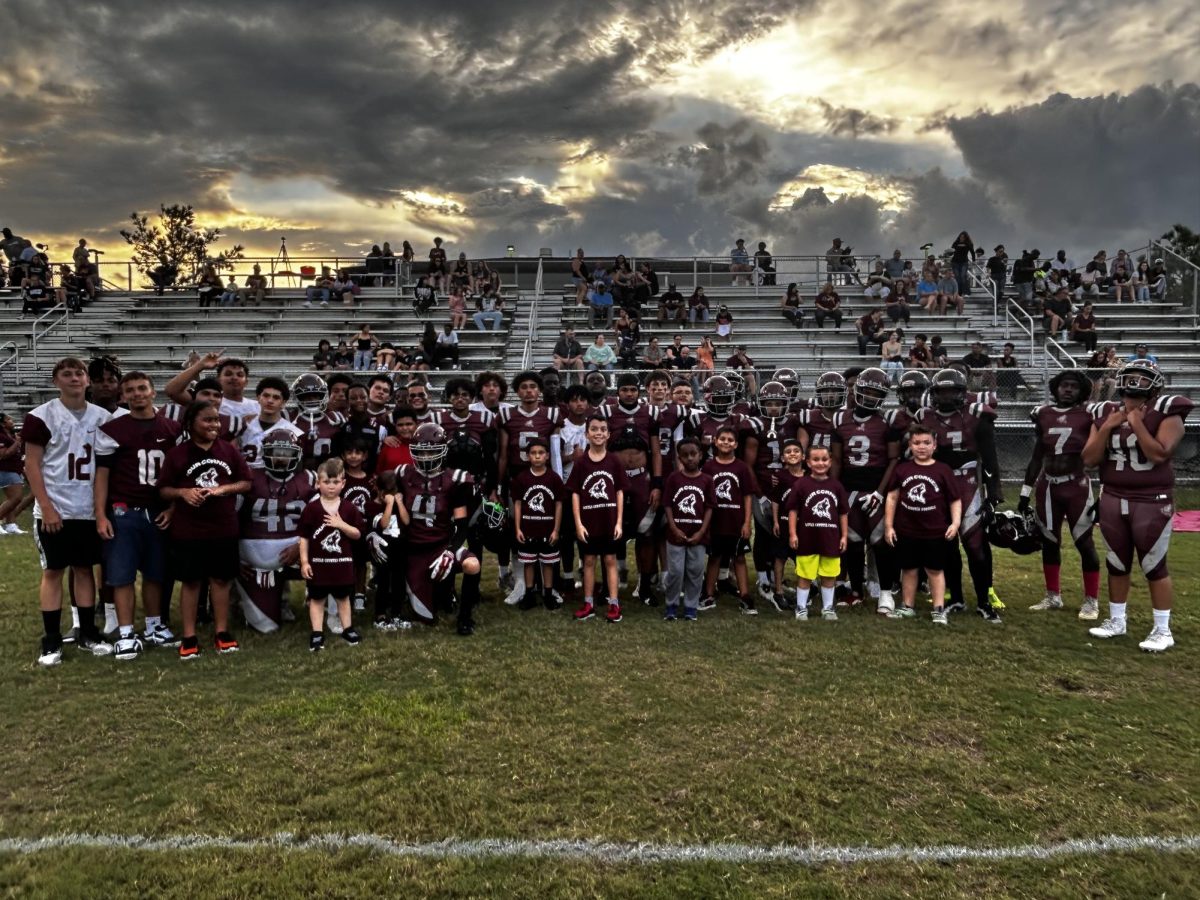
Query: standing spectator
x,y
997,268
671,305
628,336
724,322
1083,328
12,467
790,305
489,307
697,306
870,330
209,286
739,262
835,262
764,265
364,348
949,294
891,355
568,352
438,276
622,282
424,296
828,305
599,355
387,264
457,304
600,302
920,356
1022,276
80,255
579,277
407,255
962,251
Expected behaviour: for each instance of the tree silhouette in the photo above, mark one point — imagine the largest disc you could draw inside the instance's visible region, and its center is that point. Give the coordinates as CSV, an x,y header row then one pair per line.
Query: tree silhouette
x,y
175,245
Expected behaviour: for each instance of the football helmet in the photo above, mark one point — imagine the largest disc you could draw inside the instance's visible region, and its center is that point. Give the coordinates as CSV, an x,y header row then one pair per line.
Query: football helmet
x,y
871,389
911,389
429,448
948,390
494,514
1082,382
464,452
1140,378
311,393
790,380
719,395
1015,531
738,382
773,400
831,391
281,453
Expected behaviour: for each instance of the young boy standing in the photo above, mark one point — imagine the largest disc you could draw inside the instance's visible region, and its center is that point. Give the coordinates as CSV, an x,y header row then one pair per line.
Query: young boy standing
x,y
537,494
734,488
792,458
597,485
359,489
328,527
818,516
922,514
689,501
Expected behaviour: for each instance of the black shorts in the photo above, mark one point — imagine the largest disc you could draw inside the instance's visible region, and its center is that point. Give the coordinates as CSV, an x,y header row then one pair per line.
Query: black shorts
x,y
200,560
922,553
319,592
727,546
75,544
600,548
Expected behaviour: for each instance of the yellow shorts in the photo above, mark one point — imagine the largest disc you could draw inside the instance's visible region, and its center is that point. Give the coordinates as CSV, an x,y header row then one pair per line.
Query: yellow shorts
x,y
810,567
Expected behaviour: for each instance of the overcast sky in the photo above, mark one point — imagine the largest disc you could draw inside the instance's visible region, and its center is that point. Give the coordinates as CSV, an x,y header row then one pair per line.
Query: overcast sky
x,y
662,127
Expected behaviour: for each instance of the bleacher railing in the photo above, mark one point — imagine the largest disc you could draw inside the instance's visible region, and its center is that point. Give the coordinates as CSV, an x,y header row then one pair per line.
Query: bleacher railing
x,y
46,323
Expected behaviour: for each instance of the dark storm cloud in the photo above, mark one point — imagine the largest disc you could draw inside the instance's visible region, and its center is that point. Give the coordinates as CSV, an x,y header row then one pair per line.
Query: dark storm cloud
x,y
850,122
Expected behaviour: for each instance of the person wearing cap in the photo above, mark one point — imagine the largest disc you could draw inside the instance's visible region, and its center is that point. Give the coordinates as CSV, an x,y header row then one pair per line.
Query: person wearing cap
x,y
671,305
739,262
1142,351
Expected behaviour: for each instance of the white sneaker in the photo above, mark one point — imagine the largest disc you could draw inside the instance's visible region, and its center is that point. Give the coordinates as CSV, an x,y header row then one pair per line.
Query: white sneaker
x,y
96,648
516,595
887,603
128,648
162,636
1090,610
50,658
1052,601
829,615
801,613
764,591
1159,640
14,528
1109,628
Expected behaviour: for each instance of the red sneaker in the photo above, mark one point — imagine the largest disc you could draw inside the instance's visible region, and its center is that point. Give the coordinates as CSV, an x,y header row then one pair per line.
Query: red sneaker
x,y
226,643
586,611
613,615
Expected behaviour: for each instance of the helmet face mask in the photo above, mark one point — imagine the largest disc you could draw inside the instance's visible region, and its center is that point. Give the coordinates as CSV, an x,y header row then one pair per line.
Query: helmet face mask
x,y
1140,378
311,393
948,390
773,400
911,390
871,389
429,448
282,454
831,391
739,383
1016,532
719,395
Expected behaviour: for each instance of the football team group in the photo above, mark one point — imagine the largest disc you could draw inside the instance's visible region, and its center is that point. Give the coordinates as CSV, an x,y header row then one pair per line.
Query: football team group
x,y
358,487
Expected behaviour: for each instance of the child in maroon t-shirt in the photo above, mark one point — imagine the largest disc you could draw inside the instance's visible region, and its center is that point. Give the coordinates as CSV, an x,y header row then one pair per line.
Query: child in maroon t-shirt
x,y
729,539
818,528
922,515
537,494
329,526
689,501
597,484
792,456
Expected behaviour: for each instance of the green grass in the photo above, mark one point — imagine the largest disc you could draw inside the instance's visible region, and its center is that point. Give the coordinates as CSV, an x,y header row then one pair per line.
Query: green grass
x,y
755,731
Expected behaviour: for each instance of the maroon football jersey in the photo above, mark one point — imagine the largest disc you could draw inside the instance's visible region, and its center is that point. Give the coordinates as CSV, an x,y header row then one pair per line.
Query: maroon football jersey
x,y
272,508
330,550
1062,432
707,428
16,461
319,433
360,490
630,429
189,466
768,462
733,482
864,445
819,506
431,502
955,433
538,494
475,423
818,423
519,427
133,451
597,484
670,417
925,495
1125,471
687,497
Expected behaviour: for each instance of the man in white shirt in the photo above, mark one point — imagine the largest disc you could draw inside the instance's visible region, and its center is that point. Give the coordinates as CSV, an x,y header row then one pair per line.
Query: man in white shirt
x,y
273,394
232,373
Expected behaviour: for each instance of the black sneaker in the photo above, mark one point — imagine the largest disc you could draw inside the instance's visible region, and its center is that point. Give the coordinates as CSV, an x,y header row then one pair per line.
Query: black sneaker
x,y
707,603
552,600
352,637
956,607
780,602
71,636
670,613
727,586
316,643
648,598
465,629
529,600
747,605
988,614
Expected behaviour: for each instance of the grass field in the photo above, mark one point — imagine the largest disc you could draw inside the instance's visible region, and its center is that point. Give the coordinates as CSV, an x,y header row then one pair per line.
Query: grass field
x,y
748,731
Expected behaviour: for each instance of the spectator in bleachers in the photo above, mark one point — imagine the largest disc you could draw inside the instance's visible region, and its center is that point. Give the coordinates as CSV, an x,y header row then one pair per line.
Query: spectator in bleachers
x,y
698,310
909,275
230,294
1102,369
1056,311
321,289
1022,276
671,305
209,286
739,262
791,305
937,352
89,279
599,355
71,287
579,277
891,355
365,344
1083,327
949,293
1062,264
706,357
256,288
374,263
12,245
673,349
80,254
1122,279
386,358
482,275
997,268
600,303
1095,276
321,360
621,319
980,366
878,283
1141,281
653,356
489,307
764,265
629,336
1158,280
741,362
1008,374
621,287
1054,280
36,295
724,323
438,276
407,255
897,307
342,358
870,330
1142,351
457,305
424,296
568,352
962,251
894,267
433,349
344,287
927,292
828,305
387,264
838,263
920,356
460,275
645,285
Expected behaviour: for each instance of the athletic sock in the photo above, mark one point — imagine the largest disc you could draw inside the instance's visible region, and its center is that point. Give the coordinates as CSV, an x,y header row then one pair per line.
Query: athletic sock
x,y
126,631
74,616
802,597
723,574
1116,611
587,601
152,623
613,601
1091,584
1162,619
645,583
87,623
764,579
827,597
52,623
1053,581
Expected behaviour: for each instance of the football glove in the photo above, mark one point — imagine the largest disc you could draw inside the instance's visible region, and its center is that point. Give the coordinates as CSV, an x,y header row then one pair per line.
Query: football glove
x,y
378,547
871,502
441,567
264,578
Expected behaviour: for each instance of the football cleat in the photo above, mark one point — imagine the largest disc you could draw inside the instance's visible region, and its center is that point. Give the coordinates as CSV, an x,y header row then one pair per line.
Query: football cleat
x,y
128,648
1160,639
1109,628
399,624
516,594
225,642
1050,601
1089,611
94,647
529,600
14,528
727,586
587,611
994,599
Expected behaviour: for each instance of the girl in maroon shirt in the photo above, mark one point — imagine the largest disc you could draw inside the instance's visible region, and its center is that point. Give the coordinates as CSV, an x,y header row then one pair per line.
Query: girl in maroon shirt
x,y
597,486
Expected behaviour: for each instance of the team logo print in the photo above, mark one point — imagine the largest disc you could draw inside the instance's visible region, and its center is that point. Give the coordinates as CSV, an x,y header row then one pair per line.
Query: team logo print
x,y
725,489
332,542
599,489
916,493
537,503
687,505
822,509
208,479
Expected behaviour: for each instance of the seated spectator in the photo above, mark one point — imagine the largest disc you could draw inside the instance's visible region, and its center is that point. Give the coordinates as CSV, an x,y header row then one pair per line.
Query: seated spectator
x,y
927,294
1158,280
255,288
870,330
1008,375
425,297
365,344
724,322
72,291
1062,264
621,319
645,285
891,355
600,303
482,275
920,356
621,286
460,275
36,295
1102,369
568,352
88,277
1141,281
980,366
322,359
1095,276
894,267
342,358
948,294
383,361
741,362
828,305
1056,311
1083,328
457,304
629,336
599,355
321,289
739,262
413,360
230,294
209,286
673,349
489,307
705,357
698,310
671,305
878,283
345,288
764,266
897,303
653,356
790,304
163,276
910,276
1122,280
937,352
1142,351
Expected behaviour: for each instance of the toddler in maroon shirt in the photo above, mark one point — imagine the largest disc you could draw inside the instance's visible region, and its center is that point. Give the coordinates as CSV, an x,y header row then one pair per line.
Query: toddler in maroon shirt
x,y
329,526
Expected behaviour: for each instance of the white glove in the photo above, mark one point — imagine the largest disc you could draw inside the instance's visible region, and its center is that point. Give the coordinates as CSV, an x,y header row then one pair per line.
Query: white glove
x,y
441,567
871,502
264,578
378,547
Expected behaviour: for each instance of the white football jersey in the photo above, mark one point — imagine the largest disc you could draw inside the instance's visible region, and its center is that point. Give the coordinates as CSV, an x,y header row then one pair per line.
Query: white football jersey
x,y
237,409
252,438
68,463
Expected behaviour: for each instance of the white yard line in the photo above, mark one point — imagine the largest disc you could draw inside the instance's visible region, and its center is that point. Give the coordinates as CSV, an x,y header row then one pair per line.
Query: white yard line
x,y
604,851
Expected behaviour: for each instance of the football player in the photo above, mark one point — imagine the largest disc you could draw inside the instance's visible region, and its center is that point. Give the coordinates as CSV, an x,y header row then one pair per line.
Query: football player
x,y
912,391
490,389
791,382
817,419
1132,441
1056,477
776,425
273,394
315,417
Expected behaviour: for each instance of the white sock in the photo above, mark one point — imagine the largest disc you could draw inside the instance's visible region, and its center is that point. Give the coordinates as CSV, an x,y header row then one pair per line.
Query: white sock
x,y
1162,619
763,578
74,617
613,601
152,623
826,597
802,597
126,631
1116,611
723,573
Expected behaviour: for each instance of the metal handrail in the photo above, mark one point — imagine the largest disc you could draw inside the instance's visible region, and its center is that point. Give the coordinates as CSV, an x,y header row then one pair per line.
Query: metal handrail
x,y
988,286
1051,343
1163,248
532,325
1010,318
63,318
13,359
